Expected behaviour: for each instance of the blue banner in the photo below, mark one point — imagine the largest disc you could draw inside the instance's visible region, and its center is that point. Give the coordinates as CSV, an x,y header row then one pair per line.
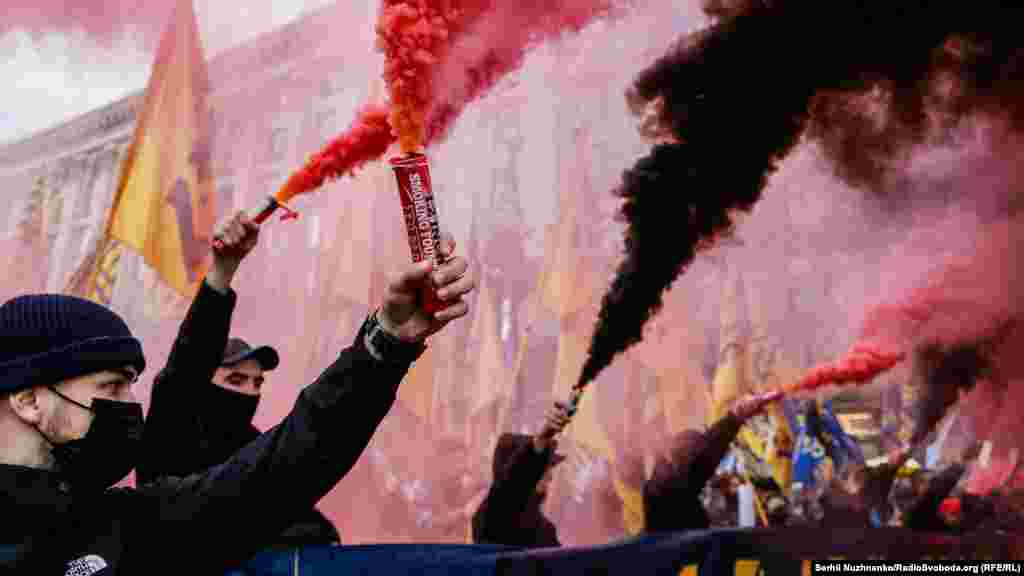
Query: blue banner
x,y
719,552
845,448
819,435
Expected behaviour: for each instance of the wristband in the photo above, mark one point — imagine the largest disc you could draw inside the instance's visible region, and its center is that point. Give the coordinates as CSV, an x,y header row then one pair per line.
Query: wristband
x,y
386,348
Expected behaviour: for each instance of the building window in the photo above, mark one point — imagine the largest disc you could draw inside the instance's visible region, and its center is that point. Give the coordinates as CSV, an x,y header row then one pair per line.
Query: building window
x,y
87,170
325,122
225,199
54,212
277,145
78,245
314,231
326,88
229,133
311,281
31,224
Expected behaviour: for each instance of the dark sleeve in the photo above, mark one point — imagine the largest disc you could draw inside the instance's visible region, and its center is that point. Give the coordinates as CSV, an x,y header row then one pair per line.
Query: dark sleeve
x,y
717,441
924,514
679,487
509,493
227,512
879,483
549,536
172,438
978,511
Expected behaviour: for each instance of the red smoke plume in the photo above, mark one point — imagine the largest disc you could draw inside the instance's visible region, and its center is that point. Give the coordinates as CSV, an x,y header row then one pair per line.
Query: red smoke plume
x,y
494,44
367,139
863,363
415,37
963,327
441,55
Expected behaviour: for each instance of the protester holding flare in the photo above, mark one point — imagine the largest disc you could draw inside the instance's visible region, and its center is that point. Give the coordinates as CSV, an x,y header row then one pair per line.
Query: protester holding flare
x,y
672,494
204,399
71,429
523,469
858,496
931,512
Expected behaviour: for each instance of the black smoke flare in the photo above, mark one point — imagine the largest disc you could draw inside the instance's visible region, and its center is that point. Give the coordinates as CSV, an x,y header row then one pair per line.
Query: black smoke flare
x,y
943,370
867,79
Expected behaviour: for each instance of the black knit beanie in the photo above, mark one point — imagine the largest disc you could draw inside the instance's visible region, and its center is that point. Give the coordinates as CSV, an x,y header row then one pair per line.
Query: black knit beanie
x,y
49,338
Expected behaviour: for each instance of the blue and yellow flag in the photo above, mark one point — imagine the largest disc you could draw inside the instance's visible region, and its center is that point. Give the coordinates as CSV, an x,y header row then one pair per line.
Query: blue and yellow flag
x,y
820,436
164,207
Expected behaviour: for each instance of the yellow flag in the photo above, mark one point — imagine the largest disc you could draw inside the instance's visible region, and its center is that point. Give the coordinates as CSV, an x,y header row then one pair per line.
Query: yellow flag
x,y
489,380
357,237
771,368
417,390
780,456
632,507
586,428
730,381
84,282
164,207
567,285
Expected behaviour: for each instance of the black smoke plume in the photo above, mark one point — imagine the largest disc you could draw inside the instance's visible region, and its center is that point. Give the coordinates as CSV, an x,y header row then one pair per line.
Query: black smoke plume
x,y
867,79
944,370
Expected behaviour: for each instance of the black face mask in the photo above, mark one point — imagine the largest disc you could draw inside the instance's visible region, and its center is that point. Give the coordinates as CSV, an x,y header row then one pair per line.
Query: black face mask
x,y
231,412
108,451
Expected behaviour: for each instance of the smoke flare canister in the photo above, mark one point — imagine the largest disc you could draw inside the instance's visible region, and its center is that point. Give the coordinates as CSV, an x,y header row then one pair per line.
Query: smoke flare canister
x,y
261,215
420,212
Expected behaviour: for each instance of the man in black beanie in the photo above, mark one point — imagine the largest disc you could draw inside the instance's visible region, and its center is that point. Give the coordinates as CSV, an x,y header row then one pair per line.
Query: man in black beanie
x,y
70,429
204,399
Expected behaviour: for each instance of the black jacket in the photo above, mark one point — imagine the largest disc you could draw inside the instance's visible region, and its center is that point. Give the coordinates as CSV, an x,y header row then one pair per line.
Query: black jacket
x,y
204,523
185,432
511,513
672,495
924,515
845,510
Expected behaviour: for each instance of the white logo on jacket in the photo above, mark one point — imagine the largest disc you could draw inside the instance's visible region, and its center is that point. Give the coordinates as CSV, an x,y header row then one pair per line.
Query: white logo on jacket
x,y
86,566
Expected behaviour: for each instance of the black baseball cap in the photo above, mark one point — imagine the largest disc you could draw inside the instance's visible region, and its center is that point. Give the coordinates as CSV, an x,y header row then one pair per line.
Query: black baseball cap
x,y
238,350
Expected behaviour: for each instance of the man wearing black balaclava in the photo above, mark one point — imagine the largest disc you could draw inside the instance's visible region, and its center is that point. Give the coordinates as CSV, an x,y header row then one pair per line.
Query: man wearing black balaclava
x,y
70,428
204,399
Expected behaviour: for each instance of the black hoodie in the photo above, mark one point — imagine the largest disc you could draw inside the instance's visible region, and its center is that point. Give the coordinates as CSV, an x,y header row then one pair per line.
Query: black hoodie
x,y
212,521
193,424
672,495
511,513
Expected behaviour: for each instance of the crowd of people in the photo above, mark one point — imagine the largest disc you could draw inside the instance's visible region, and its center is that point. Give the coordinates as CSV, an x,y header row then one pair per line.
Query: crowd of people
x,y
70,429
687,489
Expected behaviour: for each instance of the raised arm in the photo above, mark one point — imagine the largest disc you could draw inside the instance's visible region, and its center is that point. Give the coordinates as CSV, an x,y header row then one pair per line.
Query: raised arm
x,y
516,482
226,512
719,438
173,437
924,514
199,348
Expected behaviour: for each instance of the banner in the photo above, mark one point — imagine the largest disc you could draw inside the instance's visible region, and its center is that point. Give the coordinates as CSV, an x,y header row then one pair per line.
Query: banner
x,y
719,552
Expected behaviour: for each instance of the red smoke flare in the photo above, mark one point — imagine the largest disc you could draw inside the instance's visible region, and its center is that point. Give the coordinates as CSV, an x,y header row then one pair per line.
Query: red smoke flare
x,y
415,36
863,363
494,43
367,139
440,55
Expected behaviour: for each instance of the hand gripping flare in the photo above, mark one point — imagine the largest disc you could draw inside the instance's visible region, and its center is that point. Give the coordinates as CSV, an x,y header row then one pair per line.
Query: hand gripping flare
x,y
262,214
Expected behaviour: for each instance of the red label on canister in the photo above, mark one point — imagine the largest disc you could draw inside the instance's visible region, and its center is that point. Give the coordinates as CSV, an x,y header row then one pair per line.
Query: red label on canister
x,y
420,212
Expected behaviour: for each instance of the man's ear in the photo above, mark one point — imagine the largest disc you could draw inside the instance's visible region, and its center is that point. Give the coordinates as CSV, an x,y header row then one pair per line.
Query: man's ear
x,y
26,404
